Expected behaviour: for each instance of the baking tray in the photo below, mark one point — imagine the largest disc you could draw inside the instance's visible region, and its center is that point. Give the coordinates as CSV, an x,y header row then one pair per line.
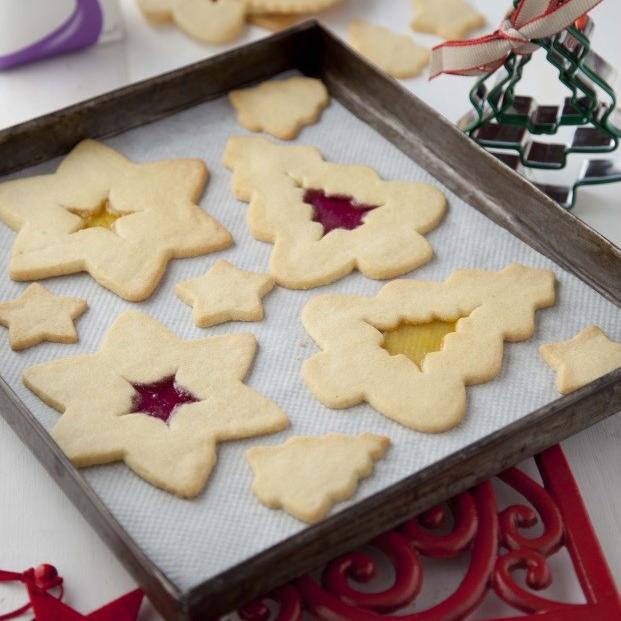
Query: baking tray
x,y
441,150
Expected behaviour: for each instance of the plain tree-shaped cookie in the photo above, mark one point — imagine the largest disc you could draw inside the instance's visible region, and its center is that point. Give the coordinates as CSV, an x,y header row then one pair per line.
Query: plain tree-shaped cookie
x,y
307,476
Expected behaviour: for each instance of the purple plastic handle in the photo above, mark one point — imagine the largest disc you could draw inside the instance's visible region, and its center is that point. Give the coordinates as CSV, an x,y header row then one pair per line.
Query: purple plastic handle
x,y
81,29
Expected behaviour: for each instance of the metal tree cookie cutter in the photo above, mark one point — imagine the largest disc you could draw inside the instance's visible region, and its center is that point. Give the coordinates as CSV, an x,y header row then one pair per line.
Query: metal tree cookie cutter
x,y
505,123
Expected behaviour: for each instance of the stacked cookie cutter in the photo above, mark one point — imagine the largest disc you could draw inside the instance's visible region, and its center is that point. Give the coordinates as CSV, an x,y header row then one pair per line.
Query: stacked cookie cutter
x,y
507,124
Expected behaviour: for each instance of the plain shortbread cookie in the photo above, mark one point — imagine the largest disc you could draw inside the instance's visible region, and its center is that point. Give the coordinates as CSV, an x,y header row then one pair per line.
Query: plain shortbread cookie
x,y
580,360
307,476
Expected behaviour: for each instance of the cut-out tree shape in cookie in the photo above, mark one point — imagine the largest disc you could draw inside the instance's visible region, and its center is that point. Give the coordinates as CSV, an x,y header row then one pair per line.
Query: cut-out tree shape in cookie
x,y
100,213
154,401
469,315
307,476
327,219
581,360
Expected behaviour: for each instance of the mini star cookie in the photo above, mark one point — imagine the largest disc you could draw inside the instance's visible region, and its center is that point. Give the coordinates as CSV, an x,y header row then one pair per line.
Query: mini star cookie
x,y
38,315
307,476
280,107
156,402
225,293
100,213
288,6
397,55
207,21
581,360
450,19
479,310
327,219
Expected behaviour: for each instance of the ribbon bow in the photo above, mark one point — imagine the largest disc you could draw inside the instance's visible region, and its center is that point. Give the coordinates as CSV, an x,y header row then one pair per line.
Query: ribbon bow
x,y
532,19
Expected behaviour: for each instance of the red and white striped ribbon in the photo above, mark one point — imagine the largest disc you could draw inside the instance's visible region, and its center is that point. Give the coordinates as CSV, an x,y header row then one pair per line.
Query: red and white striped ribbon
x,y
532,19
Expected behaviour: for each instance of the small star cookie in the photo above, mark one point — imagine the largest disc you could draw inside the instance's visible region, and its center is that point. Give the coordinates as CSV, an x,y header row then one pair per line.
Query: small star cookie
x,y
225,293
450,19
580,360
288,6
280,107
156,402
100,213
307,476
398,55
38,315
273,22
327,219
208,21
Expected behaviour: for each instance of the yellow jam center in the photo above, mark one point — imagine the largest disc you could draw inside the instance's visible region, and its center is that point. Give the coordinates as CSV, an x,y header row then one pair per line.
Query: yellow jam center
x,y
102,216
416,340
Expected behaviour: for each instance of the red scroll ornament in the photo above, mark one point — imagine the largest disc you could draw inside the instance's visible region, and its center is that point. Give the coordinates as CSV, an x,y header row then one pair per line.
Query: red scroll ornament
x,y
531,20
496,547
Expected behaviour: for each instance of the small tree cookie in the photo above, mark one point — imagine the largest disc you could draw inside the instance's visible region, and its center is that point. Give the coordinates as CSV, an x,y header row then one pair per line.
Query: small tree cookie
x,y
307,476
477,310
280,107
396,54
156,402
327,219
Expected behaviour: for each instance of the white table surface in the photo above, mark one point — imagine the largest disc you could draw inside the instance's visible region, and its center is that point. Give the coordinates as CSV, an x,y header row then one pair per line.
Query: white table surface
x,y
37,523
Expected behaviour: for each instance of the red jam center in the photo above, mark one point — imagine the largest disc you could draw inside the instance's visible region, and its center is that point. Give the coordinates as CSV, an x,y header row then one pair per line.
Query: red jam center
x,y
160,398
336,212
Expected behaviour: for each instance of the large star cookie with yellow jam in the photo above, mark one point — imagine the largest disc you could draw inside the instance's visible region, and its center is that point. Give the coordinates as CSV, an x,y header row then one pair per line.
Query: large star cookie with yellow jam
x,y
100,213
156,402
411,350
327,219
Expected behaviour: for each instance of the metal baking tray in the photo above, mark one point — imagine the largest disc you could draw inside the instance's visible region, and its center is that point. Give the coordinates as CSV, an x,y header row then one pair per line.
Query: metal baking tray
x,y
446,154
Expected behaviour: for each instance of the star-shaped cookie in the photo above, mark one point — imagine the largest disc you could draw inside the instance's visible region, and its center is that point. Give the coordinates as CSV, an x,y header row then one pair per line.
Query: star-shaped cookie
x,y
450,19
38,315
100,213
225,293
582,359
154,401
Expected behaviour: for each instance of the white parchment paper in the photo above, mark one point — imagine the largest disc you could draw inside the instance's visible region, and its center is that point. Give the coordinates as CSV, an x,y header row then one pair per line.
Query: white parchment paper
x,y
191,541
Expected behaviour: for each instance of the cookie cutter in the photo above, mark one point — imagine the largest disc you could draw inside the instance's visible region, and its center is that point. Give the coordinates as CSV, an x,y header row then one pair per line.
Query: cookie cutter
x,y
505,123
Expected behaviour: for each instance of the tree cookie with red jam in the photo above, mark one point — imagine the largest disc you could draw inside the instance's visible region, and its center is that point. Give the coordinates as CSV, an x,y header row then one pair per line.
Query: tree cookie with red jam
x,y
156,402
411,350
100,213
326,219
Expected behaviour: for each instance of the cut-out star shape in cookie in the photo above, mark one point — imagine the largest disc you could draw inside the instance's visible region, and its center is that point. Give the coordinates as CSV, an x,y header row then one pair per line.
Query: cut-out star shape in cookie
x,y
450,19
225,293
38,315
156,402
580,360
100,213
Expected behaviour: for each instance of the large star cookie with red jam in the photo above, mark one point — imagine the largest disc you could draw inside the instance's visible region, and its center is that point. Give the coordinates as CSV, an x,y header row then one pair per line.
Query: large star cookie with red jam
x,y
411,350
154,401
100,213
327,219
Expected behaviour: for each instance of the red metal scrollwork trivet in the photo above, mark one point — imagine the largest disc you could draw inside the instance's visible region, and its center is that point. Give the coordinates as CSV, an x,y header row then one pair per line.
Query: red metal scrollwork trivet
x,y
497,550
